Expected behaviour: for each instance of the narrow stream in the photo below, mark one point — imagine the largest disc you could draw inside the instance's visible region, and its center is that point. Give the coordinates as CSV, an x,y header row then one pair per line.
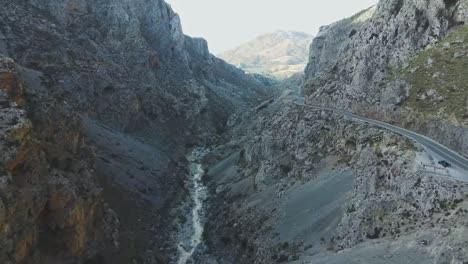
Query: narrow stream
x,y
198,194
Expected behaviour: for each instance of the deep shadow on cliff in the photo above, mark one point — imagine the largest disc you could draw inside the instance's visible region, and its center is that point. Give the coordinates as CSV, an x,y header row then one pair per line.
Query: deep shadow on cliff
x,y
100,101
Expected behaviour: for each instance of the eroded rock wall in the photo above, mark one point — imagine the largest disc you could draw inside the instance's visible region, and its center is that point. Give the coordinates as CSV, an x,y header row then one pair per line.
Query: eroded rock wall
x,y
292,185
393,32
126,63
397,210
114,92
51,207
372,70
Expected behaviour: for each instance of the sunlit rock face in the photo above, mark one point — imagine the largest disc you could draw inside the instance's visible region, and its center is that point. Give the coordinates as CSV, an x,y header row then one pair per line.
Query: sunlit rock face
x,y
279,55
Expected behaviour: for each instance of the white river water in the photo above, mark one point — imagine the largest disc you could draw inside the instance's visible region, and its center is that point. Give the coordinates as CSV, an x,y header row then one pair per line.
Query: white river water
x,y
198,194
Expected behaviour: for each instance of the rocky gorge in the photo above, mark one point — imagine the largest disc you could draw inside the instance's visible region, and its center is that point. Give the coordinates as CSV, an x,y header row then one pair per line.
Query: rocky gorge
x,y
99,102
310,186
102,101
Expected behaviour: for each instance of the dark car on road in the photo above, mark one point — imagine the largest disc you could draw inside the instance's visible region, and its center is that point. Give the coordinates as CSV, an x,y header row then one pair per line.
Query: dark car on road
x,y
445,163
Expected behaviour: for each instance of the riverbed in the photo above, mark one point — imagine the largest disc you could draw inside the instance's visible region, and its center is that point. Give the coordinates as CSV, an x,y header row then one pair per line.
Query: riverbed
x,y
191,233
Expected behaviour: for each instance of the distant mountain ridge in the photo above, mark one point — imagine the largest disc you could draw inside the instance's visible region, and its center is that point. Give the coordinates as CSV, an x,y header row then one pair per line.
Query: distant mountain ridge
x,y
280,54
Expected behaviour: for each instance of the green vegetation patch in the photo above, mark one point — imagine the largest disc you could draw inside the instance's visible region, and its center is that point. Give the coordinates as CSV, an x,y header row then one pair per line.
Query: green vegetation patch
x,y
439,77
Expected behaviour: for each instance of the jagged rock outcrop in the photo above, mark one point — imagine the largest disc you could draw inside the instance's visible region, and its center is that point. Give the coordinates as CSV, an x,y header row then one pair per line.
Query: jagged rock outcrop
x,y
387,36
112,93
308,186
313,183
100,99
325,47
364,71
51,209
129,65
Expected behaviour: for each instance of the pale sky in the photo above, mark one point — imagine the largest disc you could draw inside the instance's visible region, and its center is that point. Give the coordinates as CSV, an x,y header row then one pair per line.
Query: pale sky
x,y
229,23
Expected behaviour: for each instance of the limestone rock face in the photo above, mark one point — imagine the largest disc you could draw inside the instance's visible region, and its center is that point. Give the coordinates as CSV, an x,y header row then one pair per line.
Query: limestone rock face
x,y
301,185
326,46
391,33
50,205
126,63
99,101
311,183
377,50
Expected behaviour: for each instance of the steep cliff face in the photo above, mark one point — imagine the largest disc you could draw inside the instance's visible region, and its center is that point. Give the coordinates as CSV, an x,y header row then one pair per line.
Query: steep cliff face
x,y
326,46
126,63
394,31
111,93
98,101
377,68
311,183
308,186
51,208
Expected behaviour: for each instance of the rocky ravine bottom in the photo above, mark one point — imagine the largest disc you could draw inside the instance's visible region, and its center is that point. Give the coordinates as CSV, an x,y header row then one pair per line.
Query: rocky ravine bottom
x,y
190,234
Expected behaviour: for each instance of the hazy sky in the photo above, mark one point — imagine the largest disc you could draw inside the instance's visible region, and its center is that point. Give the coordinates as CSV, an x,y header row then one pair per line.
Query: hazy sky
x,y
228,23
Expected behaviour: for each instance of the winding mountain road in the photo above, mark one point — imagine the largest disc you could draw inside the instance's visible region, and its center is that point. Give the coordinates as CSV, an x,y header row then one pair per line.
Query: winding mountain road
x,y
436,149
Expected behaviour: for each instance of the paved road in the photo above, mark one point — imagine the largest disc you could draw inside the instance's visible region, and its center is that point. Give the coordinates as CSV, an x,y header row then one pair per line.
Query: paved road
x,y
442,152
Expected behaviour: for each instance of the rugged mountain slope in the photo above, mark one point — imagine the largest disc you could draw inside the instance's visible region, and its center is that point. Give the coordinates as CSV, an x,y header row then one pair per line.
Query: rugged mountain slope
x,y
51,206
108,94
99,100
313,187
310,184
364,72
279,54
